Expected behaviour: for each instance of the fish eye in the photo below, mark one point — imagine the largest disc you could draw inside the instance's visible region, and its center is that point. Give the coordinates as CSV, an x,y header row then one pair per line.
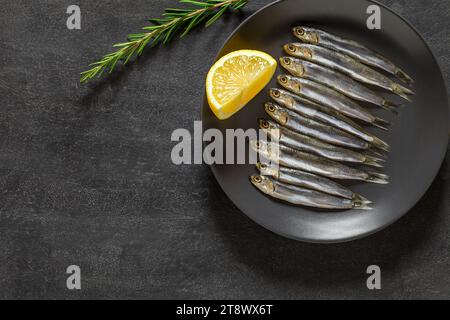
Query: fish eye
x,y
257,179
300,31
291,48
287,61
283,79
264,123
276,94
271,108
263,166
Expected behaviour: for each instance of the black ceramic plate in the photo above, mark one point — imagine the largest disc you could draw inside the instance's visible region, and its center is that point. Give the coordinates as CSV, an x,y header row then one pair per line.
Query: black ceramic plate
x,y
418,136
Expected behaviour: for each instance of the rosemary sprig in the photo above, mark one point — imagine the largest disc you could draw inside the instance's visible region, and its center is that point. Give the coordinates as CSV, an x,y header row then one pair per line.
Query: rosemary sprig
x,y
163,30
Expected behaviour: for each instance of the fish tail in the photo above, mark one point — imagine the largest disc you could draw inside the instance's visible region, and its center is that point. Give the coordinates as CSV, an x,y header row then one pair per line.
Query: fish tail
x,y
381,123
407,91
390,106
402,91
382,155
358,205
360,199
373,161
389,103
380,144
404,77
376,177
404,96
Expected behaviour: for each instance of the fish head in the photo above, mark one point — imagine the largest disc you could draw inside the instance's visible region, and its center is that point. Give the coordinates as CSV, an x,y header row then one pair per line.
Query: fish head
x,y
298,50
268,169
294,66
264,184
259,146
290,83
282,97
271,128
276,112
306,35
268,150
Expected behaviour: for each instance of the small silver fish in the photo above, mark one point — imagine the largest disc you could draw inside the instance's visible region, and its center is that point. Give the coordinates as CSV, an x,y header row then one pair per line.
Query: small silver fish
x,y
294,159
309,181
347,65
304,143
312,128
331,98
336,80
325,115
303,196
350,48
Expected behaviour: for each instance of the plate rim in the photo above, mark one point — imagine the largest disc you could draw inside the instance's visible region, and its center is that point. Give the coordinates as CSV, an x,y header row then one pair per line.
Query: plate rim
x,y
390,222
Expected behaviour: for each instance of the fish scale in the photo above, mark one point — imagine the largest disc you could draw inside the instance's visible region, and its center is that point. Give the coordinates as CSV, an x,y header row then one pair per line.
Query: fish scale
x,y
302,196
347,65
304,143
350,48
291,158
337,81
328,97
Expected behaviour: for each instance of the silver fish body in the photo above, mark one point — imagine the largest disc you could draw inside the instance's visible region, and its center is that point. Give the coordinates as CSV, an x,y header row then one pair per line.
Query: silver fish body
x,y
312,128
304,143
336,80
294,159
307,107
309,181
330,98
302,196
347,65
325,115
350,48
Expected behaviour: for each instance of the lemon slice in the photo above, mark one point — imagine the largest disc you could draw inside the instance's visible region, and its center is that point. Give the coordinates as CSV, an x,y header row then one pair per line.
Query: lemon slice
x,y
236,78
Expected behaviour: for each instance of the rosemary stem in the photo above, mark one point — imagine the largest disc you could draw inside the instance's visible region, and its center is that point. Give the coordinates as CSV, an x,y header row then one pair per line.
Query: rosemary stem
x,y
175,19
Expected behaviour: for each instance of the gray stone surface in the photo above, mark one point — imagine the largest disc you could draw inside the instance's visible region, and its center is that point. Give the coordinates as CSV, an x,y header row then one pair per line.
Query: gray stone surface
x,y
86,177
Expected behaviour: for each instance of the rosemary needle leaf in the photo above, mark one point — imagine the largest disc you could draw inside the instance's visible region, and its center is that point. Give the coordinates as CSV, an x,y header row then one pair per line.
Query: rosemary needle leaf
x,y
216,16
198,3
163,30
194,22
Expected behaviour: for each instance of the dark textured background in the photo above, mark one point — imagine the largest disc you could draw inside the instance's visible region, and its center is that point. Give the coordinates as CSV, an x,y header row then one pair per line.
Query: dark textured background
x,y
86,176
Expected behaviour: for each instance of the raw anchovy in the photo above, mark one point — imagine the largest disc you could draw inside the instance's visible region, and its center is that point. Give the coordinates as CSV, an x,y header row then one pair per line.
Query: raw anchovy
x,y
312,128
328,116
294,159
304,143
330,98
307,107
351,48
302,196
309,181
347,65
336,80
